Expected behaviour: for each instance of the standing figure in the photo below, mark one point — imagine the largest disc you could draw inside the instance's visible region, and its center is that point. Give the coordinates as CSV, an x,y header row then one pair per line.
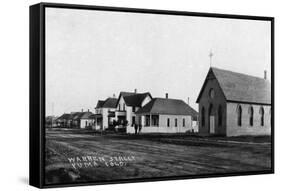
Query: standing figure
x,y
139,128
136,128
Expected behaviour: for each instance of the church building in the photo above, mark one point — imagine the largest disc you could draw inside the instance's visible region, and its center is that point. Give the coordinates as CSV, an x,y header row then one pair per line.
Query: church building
x,y
234,104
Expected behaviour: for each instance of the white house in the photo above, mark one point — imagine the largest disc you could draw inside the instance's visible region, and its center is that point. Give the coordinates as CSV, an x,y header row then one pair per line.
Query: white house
x,y
164,115
79,119
86,120
128,104
105,113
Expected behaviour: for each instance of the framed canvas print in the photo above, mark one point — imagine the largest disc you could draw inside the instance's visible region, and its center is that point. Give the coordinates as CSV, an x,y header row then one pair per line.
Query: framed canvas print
x,y
127,95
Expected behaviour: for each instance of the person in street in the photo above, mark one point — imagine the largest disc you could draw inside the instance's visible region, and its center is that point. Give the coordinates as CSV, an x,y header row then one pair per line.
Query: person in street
x,y
139,128
136,128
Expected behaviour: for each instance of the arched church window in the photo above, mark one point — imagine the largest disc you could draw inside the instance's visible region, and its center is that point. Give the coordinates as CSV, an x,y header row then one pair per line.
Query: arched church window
x,y
262,116
220,115
239,115
251,119
212,93
203,116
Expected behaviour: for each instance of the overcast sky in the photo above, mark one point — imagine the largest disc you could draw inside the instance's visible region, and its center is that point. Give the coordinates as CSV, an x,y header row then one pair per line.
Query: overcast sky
x,y
91,55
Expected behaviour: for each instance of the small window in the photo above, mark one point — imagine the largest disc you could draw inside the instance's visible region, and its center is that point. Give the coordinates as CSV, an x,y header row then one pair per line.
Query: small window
x,y
212,93
123,106
168,122
134,109
262,116
155,120
119,107
147,120
176,122
183,122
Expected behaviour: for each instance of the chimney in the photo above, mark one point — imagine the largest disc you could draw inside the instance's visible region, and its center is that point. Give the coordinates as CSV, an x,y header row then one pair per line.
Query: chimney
x,y
88,110
114,96
82,110
188,101
265,75
136,91
167,96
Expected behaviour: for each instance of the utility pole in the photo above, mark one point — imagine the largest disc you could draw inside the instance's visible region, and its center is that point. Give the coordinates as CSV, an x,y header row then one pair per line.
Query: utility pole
x,y
52,115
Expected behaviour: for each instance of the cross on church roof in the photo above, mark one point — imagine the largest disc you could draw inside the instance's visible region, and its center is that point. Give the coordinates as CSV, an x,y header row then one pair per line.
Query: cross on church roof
x,y
211,54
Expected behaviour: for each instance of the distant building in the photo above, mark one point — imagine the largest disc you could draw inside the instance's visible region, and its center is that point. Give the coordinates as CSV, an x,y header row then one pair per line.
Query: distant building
x,y
233,104
104,114
164,115
76,120
83,120
64,120
51,121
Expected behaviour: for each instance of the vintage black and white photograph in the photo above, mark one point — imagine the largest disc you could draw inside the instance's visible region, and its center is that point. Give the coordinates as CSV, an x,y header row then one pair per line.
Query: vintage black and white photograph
x,y
137,96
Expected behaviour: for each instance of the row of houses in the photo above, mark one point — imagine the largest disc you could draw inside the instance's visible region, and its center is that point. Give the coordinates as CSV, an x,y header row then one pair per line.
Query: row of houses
x,y
230,104
80,120
133,110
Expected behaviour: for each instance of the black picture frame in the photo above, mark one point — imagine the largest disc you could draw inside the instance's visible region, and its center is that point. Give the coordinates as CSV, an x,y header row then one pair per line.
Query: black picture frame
x,y
37,90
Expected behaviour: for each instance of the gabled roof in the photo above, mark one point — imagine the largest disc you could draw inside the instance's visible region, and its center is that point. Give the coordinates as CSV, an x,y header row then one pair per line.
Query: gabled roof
x,y
100,104
92,116
85,115
240,87
51,118
75,115
126,93
64,116
108,103
167,106
133,99
80,115
136,99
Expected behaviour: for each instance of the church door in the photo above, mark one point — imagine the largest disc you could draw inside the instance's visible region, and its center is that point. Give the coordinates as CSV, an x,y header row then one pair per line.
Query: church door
x,y
211,119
